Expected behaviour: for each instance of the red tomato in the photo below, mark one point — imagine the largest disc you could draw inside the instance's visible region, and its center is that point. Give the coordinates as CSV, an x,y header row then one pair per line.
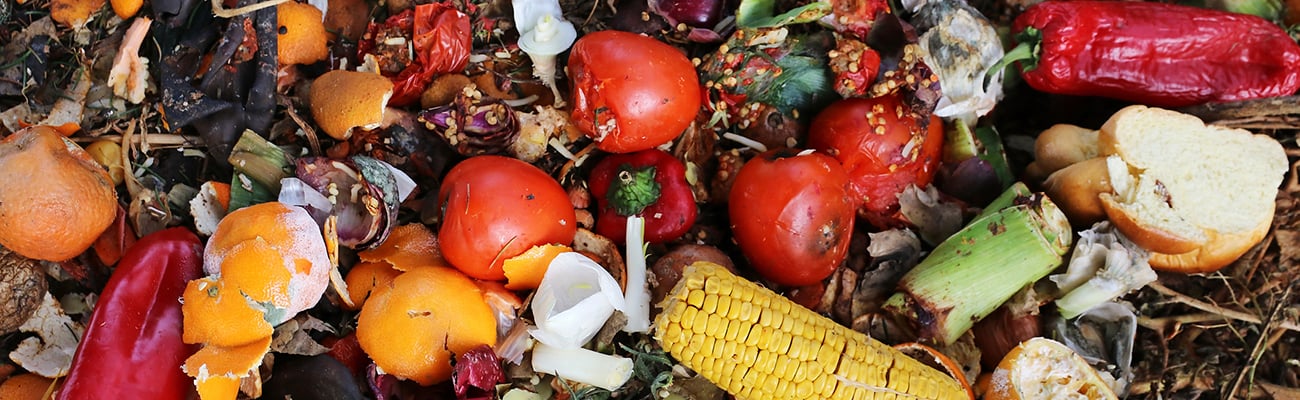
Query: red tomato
x,y
881,143
631,92
792,215
498,207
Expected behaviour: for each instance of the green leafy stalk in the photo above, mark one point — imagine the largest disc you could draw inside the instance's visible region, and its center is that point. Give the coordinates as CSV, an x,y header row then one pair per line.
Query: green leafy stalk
x,y
259,165
261,160
979,268
762,14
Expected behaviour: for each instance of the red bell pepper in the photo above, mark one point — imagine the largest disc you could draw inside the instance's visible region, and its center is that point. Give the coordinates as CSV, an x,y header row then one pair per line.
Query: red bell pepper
x,y
649,183
132,348
1152,53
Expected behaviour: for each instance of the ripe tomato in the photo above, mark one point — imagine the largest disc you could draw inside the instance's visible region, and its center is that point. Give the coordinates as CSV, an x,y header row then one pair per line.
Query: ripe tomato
x,y
882,145
792,215
498,207
631,92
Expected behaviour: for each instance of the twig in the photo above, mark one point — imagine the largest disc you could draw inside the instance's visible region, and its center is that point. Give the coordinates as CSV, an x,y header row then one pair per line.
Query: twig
x,y
223,12
1257,352
1229,313
313,141
159,139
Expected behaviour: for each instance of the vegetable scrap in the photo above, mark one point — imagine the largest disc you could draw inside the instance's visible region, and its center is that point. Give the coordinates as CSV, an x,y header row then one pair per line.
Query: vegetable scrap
x,y
648,199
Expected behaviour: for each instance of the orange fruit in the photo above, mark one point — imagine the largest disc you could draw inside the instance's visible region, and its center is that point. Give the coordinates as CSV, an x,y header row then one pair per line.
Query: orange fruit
x,y
365,277
525,271
413,326
1041,368
302,34
407,247
273,253
54,199
25,387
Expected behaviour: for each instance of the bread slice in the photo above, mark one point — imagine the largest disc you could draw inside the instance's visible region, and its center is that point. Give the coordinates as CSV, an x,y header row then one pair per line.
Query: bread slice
x,y
1178,183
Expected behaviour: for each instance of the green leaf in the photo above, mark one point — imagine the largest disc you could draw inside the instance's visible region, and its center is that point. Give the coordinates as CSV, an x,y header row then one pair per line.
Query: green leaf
x,y
762,14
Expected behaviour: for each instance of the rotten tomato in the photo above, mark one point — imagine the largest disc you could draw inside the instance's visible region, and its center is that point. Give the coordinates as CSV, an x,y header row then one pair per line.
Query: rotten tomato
x,y
792,215
885,146
631,92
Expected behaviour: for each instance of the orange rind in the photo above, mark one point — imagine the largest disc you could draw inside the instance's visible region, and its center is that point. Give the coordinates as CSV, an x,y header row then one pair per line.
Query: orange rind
x,y
216,315
217,369
302,37
55,200
342,100
25,387
1041,369
278,256
126,9
414,326
266,263
525,271
74,13
365,277
407,247
937,360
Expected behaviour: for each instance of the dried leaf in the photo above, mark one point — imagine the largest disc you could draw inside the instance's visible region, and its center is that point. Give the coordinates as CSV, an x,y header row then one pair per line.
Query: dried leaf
x,y
50,353
291,337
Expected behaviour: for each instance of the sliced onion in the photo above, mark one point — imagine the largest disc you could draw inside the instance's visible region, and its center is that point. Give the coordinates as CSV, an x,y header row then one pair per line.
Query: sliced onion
x,y
295,192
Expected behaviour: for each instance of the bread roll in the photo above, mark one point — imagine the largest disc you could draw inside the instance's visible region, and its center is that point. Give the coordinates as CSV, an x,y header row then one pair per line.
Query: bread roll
x,y
1075,189
1197,196
1063,145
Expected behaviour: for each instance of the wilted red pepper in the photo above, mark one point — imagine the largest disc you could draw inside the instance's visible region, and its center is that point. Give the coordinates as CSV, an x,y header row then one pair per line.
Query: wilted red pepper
x,y
649,183
132,348
1153,53
440,37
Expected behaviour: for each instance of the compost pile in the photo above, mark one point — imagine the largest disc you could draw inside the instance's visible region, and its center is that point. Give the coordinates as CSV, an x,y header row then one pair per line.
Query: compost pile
x,y
709,199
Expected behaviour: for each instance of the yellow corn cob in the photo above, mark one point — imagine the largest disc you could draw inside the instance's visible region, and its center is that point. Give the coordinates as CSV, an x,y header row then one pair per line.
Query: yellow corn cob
x,y
756,344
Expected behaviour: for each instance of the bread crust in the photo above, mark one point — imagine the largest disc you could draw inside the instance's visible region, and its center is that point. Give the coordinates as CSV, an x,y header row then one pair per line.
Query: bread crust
x,y
1075,190
1149,237
1218,252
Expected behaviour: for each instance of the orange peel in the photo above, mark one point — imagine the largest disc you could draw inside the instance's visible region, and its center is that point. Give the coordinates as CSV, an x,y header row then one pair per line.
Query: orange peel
x,y
215,314
302,37
74,13
342,100
413,326
525,271
217,369
266,263
25,387
126,9
365,277
408,247
297,273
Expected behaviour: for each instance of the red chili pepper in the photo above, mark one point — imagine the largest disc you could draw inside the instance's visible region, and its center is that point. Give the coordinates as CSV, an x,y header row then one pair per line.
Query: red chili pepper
x,y
132,347
649,183
441,40
1153,53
